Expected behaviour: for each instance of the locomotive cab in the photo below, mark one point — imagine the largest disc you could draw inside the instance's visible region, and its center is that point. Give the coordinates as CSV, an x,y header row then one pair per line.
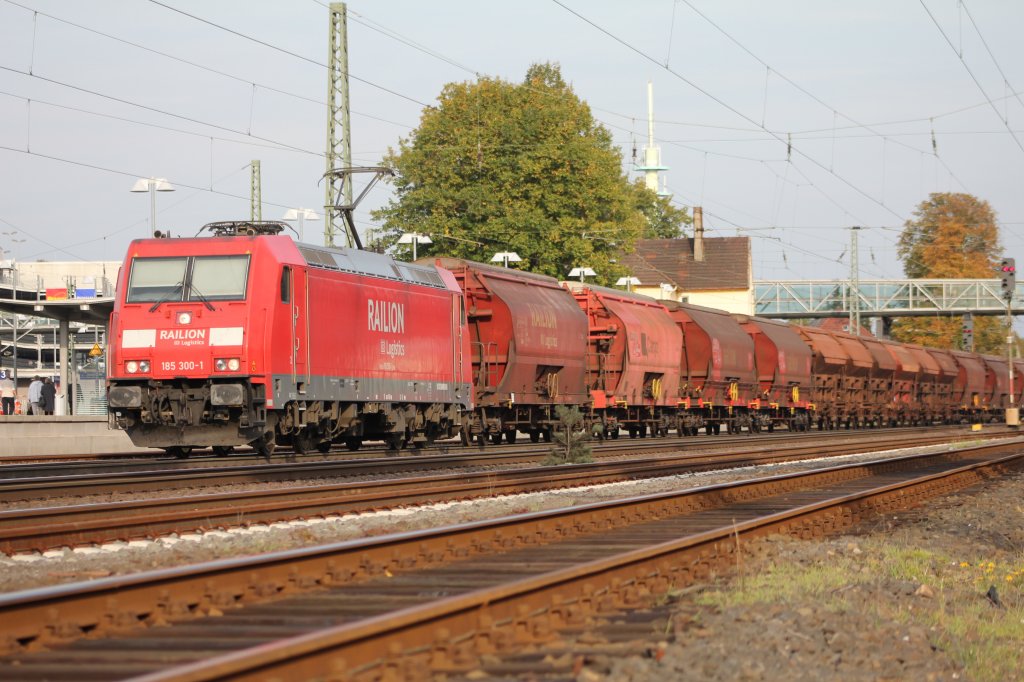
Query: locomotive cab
x,y
184,370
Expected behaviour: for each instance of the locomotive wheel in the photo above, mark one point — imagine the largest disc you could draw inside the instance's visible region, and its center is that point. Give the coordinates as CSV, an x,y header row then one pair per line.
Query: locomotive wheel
x,y
353,444
180,451
324,446
395,442
221,450
534,436
510,437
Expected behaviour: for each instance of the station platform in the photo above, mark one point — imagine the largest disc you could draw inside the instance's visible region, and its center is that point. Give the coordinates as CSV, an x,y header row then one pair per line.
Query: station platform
x,y
29,436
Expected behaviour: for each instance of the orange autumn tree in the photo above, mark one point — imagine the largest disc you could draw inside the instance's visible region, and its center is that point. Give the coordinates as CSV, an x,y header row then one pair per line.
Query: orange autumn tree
x,y
951,236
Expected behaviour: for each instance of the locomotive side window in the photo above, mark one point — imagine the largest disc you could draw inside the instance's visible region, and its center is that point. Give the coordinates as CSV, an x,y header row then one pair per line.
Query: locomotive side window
x,y
286,283
219,278
157,279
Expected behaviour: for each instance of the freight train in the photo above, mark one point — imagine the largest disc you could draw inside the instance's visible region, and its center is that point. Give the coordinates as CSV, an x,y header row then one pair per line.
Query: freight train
x,y
246,337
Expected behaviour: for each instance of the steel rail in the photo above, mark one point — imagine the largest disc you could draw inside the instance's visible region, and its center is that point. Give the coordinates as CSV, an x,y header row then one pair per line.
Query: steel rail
x,y
442,635
45,528
442,627
27,489
499,453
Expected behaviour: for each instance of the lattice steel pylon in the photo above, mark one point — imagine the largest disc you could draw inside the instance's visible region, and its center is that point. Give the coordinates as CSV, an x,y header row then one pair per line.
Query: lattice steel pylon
x,y
339,136
255,191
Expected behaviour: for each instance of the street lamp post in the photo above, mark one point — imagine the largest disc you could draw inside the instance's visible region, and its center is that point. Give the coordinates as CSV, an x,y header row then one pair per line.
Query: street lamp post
x,y
152,185
582,272
414,238
506,257
301,215
628,282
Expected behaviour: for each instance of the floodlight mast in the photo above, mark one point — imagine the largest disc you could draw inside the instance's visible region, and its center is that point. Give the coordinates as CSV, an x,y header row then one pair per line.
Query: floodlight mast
x,y
506,257
582,272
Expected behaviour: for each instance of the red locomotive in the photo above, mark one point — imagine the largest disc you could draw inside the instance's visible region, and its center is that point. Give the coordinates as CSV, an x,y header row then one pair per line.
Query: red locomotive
x,y
247,337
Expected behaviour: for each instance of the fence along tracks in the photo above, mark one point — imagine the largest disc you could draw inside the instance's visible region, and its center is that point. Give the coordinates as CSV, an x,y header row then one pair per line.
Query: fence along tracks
x,y
407,605
45,528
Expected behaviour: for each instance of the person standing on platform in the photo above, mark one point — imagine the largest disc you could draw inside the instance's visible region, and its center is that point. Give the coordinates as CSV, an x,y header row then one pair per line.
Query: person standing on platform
x,y
7,394
35,396
48,393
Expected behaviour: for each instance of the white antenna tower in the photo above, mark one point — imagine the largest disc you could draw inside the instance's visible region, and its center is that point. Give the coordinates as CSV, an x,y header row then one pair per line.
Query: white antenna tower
x,y
652,153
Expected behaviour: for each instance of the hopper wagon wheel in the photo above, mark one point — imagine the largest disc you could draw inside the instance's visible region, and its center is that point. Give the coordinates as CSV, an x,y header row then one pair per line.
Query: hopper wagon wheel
x,y
615,433
221,450
353,444
547,435
496,438
180,451
395,442
324,446
302,441
510,437
265,446
535,436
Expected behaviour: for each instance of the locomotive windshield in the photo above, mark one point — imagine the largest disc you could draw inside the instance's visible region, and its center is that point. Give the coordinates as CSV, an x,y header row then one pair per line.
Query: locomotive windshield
x,y
188,278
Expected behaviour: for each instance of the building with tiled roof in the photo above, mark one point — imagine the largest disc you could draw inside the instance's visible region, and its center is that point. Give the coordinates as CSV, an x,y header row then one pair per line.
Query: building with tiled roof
x,y
713,272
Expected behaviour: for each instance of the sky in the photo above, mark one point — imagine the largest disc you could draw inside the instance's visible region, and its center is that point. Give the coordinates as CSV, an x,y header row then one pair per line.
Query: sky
x,y
788,121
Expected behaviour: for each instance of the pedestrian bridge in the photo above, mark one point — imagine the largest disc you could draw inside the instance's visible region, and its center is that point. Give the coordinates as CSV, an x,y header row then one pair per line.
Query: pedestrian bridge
x,y
883,298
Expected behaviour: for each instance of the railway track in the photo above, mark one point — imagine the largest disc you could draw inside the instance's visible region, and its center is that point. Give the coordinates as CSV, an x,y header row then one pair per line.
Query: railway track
x,y
38,467
412,605
46,528
113,480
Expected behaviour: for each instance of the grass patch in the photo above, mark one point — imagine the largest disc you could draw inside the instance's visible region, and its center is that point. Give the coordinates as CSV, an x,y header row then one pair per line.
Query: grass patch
x,y
879,577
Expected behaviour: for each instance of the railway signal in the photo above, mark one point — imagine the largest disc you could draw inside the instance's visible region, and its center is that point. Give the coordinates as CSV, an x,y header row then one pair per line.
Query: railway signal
x,y
967,333
1008,272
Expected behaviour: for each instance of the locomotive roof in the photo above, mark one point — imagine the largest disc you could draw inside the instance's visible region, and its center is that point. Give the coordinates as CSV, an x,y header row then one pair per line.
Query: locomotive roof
x,y
353,261
369,264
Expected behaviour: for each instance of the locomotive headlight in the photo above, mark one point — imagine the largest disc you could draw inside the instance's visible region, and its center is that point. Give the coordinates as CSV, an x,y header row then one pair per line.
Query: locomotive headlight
x,y
131,367
144,366
227,364
185,318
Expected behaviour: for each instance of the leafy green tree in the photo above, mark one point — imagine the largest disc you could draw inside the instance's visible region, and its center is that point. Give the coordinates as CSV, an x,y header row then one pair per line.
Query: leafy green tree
x,y
498,166
951,236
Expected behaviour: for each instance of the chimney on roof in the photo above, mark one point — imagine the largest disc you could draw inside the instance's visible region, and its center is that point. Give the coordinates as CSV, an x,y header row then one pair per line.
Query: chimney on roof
x,y
698,233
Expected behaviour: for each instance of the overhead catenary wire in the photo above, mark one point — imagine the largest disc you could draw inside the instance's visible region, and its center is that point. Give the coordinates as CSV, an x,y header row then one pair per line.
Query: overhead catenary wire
x,y
977,29
718,101
967,68
290,53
